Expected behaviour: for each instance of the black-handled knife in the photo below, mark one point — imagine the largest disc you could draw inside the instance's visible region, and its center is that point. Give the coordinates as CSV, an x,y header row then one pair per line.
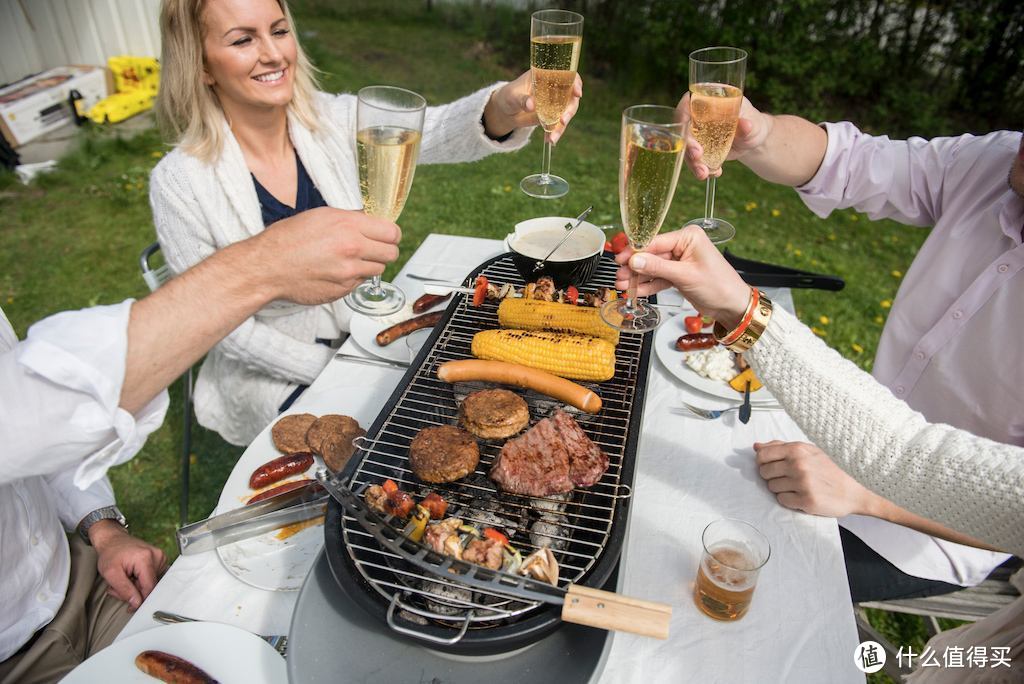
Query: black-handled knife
x,y
744,414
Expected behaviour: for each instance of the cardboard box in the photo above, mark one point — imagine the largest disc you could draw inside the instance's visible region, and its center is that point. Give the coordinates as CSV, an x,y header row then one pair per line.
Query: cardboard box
x,y
38,104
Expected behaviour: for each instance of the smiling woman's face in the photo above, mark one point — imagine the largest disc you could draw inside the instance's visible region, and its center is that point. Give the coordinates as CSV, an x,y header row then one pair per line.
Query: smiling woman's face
x,y
250,53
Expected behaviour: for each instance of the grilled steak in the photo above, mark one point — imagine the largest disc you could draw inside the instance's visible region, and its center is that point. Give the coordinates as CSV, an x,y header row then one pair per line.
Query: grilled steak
x,y
550,458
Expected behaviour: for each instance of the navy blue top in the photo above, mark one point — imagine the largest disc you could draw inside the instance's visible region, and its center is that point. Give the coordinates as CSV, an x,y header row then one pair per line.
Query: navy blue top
x,y
306,197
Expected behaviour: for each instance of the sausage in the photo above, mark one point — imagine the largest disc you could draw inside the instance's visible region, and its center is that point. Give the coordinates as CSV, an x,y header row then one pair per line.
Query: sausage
x,y
520,376
435,505
389,335
696,341
171,668
283,489
280,468
427,302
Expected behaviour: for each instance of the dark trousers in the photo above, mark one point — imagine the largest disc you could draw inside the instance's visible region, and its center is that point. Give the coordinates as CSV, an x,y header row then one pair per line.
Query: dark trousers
x,y
873,578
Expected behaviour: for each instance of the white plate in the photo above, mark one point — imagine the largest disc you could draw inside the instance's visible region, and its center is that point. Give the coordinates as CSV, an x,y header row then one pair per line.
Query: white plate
x,y
403,350
673,360
266,562
226,653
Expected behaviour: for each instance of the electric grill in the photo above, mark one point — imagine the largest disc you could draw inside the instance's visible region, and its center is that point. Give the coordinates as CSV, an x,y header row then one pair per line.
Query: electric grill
x,y
584,529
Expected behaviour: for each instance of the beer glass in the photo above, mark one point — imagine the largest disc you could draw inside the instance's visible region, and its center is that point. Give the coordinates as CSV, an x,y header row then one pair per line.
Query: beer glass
x,y
734,553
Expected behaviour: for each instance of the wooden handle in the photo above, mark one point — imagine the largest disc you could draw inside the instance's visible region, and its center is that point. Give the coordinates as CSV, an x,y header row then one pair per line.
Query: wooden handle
x,y
603,609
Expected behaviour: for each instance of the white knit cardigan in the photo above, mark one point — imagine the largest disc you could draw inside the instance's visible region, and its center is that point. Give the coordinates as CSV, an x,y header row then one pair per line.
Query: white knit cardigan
x,y
199,208
968,483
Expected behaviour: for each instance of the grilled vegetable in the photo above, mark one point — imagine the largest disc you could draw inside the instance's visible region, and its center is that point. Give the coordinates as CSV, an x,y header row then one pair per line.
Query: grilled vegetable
x,y
497,536
739,383
570,356
532,314
479,291
418,525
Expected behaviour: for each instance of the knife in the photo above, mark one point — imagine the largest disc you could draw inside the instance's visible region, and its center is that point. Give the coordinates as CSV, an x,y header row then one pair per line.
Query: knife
x,y
250,521
744,414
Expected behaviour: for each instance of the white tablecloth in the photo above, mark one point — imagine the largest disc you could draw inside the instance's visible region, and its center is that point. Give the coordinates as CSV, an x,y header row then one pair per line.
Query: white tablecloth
x,y
800,627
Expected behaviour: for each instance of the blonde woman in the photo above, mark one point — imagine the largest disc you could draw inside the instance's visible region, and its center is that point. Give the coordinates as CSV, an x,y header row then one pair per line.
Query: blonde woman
x,y
256,143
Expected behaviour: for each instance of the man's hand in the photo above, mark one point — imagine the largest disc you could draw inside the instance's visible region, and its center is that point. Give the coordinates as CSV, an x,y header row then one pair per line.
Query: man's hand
x,y
130,566
751,132
804,478
513,107
323,254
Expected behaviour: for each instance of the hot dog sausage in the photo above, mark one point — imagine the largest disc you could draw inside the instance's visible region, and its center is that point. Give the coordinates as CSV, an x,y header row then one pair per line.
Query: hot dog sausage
x,y
171,668
696,341
427,302
520,376
389,335
281,489
280,468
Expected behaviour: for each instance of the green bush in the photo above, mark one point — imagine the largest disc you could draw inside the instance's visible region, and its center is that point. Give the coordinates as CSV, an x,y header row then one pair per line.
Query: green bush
x,y
933,68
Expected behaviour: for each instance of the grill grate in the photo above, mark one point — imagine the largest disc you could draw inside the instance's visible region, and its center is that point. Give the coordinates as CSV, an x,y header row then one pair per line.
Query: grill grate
x,y
576,526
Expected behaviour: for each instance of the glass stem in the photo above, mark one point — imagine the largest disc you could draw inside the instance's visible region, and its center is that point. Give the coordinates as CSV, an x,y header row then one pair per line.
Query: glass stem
x,y
634,283
375,288
709,203
545,165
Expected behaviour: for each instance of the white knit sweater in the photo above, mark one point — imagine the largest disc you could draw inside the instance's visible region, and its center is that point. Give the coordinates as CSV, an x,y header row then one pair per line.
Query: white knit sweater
x,y
968,483
199,208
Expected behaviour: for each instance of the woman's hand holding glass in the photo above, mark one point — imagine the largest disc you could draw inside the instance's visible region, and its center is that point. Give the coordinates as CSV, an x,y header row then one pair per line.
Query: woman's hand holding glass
x,y
687,260
512,106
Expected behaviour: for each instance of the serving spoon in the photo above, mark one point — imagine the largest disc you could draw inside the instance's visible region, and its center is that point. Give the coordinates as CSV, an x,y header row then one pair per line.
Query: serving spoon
x,y
570,229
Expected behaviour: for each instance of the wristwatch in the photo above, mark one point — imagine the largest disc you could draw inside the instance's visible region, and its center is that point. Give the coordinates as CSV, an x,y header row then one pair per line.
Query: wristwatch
x,y
105,513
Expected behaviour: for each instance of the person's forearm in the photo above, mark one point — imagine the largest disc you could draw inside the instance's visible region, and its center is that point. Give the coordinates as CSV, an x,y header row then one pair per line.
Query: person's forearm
x,y
172,328
791,152
880,507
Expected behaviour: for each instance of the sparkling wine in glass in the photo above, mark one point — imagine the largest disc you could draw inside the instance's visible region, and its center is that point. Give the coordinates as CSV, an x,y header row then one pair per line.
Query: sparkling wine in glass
x,y
716,93
650,156
389,125
556,37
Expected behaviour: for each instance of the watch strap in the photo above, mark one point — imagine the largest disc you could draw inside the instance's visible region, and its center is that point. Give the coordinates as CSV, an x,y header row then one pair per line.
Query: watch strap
x,y
105,513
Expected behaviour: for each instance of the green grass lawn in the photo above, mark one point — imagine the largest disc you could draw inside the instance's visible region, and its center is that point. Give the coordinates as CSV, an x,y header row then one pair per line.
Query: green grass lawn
x,y
72,239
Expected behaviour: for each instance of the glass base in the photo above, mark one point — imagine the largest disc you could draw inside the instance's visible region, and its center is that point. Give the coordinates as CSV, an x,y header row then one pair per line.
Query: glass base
x,y
640,317
544,187
717,230
380,301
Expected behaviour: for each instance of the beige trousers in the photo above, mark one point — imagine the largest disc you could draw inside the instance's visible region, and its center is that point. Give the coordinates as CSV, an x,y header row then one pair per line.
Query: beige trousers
x,y
88,620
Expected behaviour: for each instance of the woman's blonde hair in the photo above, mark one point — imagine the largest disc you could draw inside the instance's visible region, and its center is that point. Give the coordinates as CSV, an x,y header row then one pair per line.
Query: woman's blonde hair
x,y
188,110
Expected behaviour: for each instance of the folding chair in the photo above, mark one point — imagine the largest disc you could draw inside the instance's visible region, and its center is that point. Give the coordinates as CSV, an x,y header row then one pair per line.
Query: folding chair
x,y
155,277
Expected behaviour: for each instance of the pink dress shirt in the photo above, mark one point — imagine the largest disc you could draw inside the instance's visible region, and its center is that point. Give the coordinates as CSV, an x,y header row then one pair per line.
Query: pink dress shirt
x,y
951,347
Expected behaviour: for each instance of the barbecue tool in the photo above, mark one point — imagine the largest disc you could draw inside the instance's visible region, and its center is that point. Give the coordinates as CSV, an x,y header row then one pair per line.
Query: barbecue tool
x,y
297,505
580,605
569,231
769,275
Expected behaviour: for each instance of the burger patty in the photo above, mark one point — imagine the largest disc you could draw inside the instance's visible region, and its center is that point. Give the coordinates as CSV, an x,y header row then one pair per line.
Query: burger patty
x,y
552,457
443,454
494,413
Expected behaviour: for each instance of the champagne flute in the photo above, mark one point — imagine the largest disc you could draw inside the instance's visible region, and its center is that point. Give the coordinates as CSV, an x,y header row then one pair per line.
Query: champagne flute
x,y
556,37
389,125
650,156
716,93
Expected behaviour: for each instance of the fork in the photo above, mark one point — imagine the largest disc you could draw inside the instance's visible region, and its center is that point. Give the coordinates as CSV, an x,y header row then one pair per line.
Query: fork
x,y
278,642
713,414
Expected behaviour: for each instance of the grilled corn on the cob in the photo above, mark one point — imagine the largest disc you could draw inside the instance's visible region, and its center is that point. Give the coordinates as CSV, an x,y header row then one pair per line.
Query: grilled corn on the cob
x,y
533,314
577,357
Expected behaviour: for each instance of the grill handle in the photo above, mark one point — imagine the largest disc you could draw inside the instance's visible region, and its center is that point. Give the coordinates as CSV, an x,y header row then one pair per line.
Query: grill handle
x,y
393,624
606,610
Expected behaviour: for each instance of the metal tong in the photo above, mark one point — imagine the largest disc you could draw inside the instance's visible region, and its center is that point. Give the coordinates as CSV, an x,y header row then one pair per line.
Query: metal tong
x,y
252,520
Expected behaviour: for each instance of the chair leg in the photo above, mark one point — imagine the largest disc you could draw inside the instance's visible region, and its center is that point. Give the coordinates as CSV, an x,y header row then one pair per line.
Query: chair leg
x,y
186,446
